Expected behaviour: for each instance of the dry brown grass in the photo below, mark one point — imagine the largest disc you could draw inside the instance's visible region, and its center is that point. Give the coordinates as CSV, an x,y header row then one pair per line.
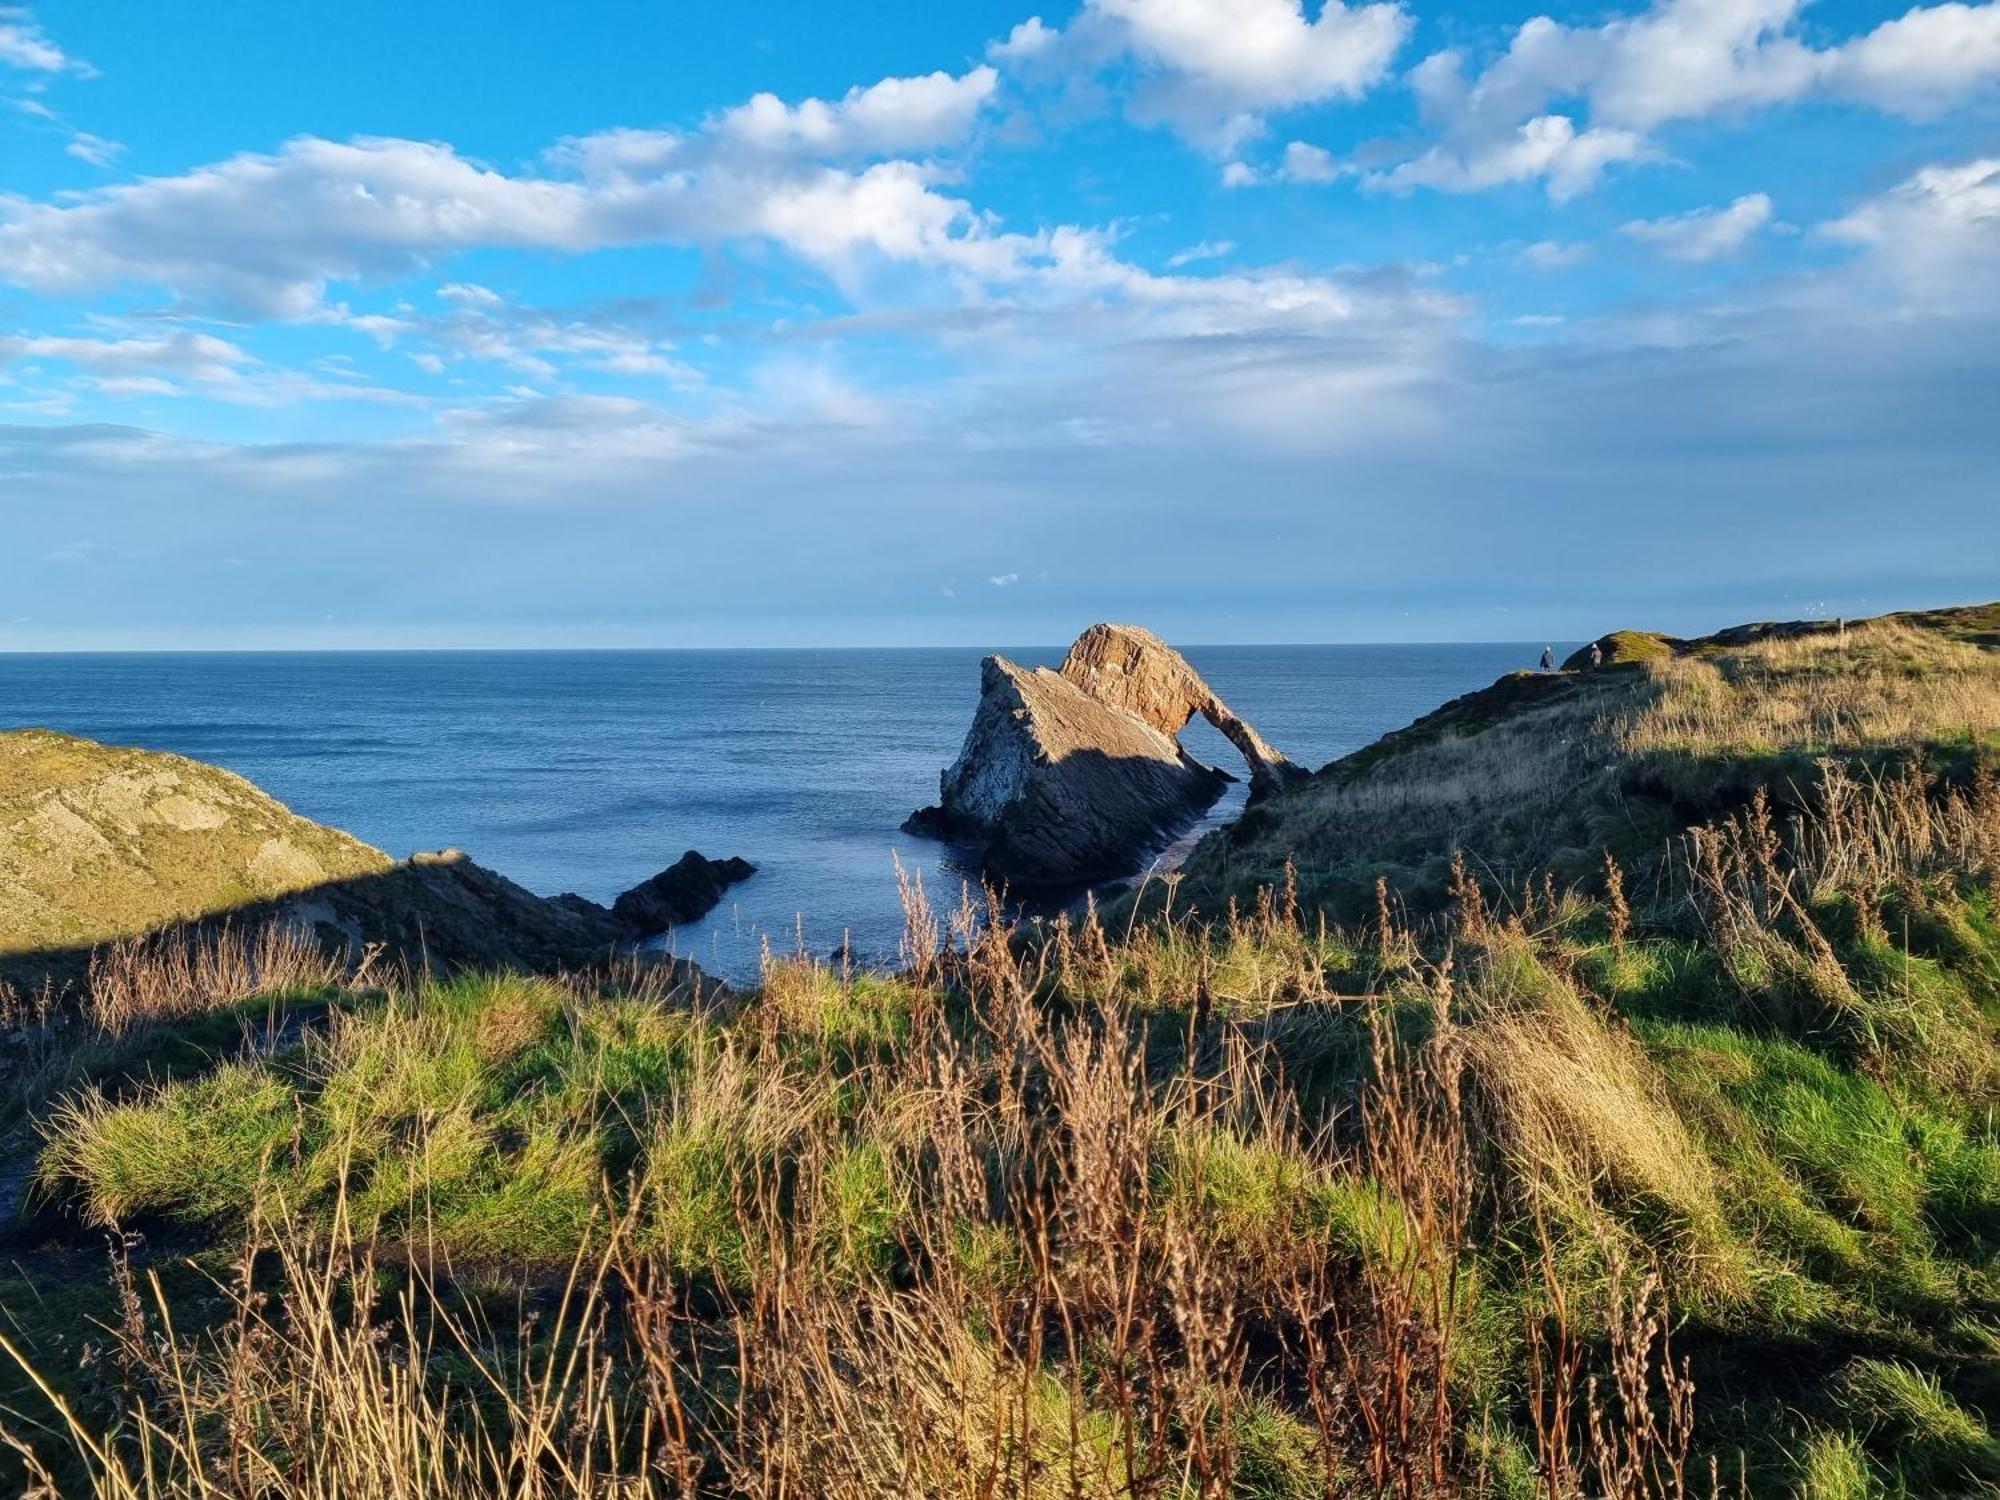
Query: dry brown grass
x,y
983,1253
1877,684
165,977
1581,1110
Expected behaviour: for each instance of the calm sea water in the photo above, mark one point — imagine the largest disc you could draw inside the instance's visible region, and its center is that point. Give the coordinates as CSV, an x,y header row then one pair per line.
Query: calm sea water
x,y
588,771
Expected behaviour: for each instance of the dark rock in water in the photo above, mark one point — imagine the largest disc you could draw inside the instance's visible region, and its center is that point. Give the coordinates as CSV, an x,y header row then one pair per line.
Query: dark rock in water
x,y
685,891
1075,775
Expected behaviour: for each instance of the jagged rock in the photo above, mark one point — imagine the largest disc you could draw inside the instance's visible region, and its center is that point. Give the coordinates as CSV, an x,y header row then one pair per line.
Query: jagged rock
x,y
685,891
1075,775
443,910
1127,667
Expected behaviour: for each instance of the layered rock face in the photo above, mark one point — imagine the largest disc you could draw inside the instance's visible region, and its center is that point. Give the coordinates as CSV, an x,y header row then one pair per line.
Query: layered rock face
x,y
1133,669
1075,775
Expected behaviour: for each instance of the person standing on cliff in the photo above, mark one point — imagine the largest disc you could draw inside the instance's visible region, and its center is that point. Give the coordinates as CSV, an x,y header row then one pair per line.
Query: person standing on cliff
x,y
1596,654
1548,658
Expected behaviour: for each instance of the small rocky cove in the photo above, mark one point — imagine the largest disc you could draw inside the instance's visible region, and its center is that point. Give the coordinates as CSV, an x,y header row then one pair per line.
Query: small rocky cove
x,y
1068,777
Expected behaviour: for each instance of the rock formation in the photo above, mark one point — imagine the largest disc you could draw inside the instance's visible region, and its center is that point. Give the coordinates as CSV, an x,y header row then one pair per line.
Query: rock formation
x,y
688,889
1074,775
1133,669
99,843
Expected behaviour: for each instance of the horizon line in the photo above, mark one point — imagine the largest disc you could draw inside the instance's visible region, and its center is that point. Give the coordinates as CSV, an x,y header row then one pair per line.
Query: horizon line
x,y
18,651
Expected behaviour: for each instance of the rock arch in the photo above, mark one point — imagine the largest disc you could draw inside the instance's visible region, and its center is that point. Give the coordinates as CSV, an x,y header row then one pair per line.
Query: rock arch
x,y
1127,667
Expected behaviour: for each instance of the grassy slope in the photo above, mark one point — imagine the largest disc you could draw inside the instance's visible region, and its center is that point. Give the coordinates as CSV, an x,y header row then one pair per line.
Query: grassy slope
x,y
99,842
1773,1077
1545,771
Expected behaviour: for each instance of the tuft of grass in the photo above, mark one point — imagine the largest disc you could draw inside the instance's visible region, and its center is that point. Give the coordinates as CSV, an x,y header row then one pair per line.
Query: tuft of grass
x,y
1834,1466
201,1148
1934,1444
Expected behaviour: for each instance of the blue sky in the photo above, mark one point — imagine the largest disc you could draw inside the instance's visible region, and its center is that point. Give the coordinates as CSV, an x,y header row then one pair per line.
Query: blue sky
x,y
425,324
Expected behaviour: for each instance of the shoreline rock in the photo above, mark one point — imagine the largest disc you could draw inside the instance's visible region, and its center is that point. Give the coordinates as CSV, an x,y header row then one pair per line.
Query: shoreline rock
x,y
100,843
1072,776
684,892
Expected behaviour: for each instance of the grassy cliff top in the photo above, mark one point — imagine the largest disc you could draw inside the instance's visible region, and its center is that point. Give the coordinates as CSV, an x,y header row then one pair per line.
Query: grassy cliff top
x,y
99,842
1547,770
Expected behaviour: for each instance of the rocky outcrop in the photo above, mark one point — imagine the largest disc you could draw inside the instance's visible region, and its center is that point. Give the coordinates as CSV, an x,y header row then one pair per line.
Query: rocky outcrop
x,y
1126,667
445,911
687,890
99,843
1074,775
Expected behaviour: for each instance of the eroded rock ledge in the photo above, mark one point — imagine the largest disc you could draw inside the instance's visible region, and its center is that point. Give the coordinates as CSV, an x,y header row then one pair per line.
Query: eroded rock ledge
x,y
1074,775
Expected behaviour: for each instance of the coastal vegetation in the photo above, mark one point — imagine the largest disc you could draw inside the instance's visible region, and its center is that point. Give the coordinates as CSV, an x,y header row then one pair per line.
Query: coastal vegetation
x,y
1588,1091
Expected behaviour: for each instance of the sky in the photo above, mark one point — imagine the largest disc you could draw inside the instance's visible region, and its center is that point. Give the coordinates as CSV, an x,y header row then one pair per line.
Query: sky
x,y
423,324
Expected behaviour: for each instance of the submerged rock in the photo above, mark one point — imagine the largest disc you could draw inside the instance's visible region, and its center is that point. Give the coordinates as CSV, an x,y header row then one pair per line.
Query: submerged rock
x,y
1075,775
686,890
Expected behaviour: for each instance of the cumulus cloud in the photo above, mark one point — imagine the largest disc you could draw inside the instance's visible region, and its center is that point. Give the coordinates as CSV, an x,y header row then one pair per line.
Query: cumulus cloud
x,y
264,233
1936,234
1680,60
1305,162
1704,234
886,118
1211,70
1547,149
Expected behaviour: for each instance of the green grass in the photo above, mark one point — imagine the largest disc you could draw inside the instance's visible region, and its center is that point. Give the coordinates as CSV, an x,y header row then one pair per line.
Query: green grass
x,y
1791,1113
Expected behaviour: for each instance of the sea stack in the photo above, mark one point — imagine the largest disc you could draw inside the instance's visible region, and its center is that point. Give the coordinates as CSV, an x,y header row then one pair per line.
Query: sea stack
x,y
1074,775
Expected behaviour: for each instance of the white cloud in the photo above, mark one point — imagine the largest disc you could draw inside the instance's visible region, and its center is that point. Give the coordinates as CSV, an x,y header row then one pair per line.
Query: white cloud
x,y
479,325
1680,60
198,356
1923,61
23,44
1936,234
1554,255
1548,149
469,293
1030,39
1004,580
179,364
1205,250
893,116
94,149
264,235
1304,162
1213,69
1704,234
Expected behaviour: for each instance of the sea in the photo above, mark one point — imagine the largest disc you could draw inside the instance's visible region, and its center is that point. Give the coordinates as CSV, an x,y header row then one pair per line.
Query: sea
x,y
588,771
